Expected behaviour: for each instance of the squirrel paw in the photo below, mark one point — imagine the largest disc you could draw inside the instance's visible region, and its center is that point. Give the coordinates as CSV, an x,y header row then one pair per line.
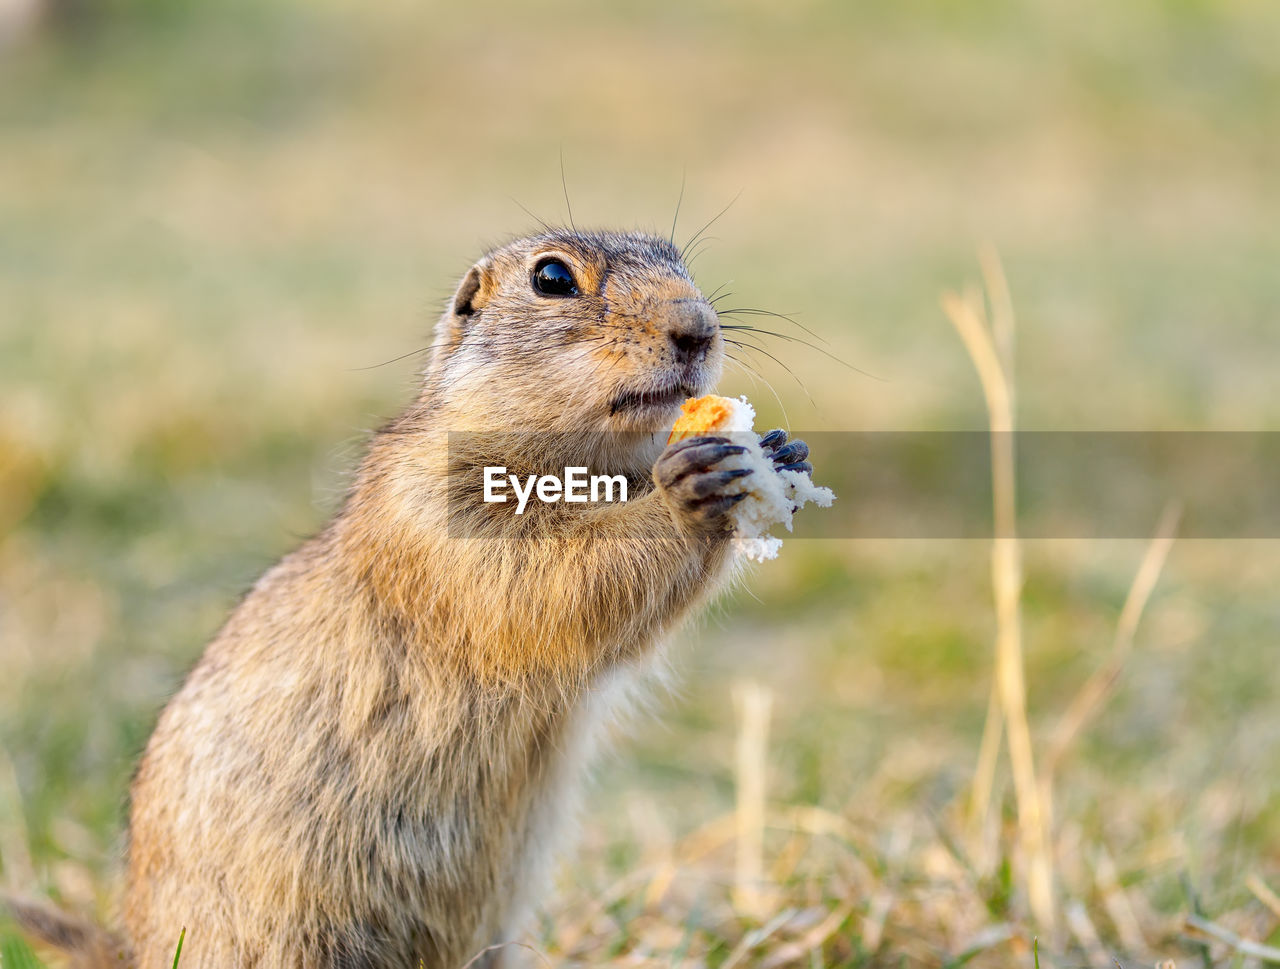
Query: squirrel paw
x,y
785,455
695,487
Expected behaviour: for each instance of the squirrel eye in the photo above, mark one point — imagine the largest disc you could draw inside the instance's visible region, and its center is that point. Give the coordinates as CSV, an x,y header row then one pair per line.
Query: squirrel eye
x,y
552,278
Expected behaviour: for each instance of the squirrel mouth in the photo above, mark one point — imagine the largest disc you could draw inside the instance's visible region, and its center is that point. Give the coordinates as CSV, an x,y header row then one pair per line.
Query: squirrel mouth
x,y
638,400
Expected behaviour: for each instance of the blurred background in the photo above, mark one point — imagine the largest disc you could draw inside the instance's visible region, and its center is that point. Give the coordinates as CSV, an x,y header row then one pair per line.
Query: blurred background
x,y
226,227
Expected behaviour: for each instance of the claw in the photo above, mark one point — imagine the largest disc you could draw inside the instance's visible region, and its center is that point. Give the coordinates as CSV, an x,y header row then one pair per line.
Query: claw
x,y
709,484
695,463
802,466
773,439
689,442
714,506
790,453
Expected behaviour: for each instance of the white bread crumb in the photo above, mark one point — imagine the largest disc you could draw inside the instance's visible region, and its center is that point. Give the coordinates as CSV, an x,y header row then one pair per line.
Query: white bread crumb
x,y
773,496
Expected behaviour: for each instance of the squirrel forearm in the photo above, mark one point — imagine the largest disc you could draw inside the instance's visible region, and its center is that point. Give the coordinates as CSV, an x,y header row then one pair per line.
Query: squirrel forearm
x,y
622,576
639,570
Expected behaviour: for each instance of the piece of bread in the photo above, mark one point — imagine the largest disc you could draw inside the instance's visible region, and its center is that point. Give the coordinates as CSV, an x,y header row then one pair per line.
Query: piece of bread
x,y
701,416
773,495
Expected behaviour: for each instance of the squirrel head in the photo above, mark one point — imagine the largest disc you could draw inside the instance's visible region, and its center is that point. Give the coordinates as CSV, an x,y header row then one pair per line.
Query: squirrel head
x,y
574,331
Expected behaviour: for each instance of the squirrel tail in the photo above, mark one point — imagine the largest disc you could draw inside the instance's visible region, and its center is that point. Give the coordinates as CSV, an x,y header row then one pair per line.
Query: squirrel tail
x,y
88,945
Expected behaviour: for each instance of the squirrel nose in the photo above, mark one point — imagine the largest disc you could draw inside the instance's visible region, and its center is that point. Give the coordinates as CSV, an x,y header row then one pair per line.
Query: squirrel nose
x,y
693,329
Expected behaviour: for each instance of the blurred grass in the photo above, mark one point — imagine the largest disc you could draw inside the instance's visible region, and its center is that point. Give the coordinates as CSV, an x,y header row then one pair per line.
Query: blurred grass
x,y
211,215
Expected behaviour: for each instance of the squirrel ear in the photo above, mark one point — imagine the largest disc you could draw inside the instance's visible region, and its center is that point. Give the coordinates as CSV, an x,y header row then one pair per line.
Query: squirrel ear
x,y
474,291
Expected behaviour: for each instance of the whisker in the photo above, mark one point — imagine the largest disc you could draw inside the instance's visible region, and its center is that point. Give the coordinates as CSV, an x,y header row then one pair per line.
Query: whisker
x,y
737,343
527,211
759,373
564,184
747,350
791,338
699,248
717,295
799,382
795,339
754,311
384,363
679,199
698,234
749,371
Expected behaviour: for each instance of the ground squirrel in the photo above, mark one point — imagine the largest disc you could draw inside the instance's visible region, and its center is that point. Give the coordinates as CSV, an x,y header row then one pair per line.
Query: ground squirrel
x,y
373,760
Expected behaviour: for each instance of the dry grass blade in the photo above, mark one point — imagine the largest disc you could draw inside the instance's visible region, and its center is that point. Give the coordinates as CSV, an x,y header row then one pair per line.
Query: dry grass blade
x,y
660,883
1263,893
1099,686
707,839
756,938
967,316
483,954
815,821
1198,927
754,703
874,923
812,941
984,774
988,938
1086,934
1119,908
572,933
1003,326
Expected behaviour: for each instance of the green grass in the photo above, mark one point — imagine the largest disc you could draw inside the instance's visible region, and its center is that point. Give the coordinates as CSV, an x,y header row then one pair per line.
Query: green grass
x,y
16,954
212,214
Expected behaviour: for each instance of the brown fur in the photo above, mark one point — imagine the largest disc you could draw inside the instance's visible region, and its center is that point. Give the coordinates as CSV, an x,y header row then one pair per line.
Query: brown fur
x,y
372,761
